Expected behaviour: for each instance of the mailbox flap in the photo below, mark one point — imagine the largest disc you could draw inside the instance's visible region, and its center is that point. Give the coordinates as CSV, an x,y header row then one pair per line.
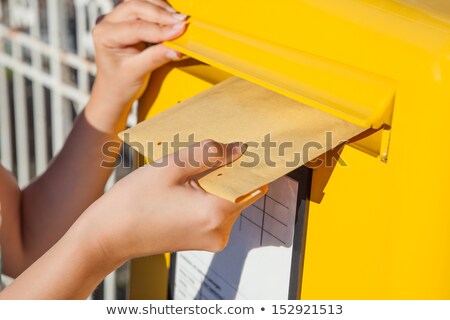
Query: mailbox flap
x,y
360,97
282,134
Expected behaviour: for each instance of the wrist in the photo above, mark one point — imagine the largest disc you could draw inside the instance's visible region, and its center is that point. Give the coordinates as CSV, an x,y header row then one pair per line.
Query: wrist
x,y
109,104
105,114
116,92
118,233
95,242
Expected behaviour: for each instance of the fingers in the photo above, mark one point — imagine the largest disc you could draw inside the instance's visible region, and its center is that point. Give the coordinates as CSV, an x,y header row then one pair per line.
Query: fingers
x,y
145,10
124,34
249,199
235,209
201,157
161,3
151,58
221,215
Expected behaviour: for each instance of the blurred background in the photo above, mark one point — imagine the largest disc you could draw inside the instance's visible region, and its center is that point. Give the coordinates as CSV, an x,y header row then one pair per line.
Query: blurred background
x,y
46,72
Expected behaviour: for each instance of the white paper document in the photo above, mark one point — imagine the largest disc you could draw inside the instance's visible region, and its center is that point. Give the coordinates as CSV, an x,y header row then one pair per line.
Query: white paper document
x,y
256,264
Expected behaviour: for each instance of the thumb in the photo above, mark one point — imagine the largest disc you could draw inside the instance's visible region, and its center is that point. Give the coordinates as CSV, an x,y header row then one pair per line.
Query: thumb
x,y
154,57
201,157
248,199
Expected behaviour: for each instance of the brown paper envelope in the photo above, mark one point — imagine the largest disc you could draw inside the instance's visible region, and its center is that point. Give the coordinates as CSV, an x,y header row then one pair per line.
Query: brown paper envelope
x,y
237,110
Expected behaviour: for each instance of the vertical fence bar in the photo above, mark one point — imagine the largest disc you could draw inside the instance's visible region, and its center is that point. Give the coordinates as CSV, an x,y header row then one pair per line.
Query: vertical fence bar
x,y
92,13
6,158
5,126
40,133
80,12
57,112
65,45
20,111
109,286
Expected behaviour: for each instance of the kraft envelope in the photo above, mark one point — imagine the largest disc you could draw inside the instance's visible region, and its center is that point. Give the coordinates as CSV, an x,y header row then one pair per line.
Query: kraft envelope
x,y
237,110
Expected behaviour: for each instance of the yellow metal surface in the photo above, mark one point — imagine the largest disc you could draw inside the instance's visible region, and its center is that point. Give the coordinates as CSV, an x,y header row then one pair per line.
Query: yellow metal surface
x,y
284,67
377,230
149,278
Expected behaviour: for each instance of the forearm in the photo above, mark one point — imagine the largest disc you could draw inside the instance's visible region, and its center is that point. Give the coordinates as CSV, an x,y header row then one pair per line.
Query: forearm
x,y
71,269
74,180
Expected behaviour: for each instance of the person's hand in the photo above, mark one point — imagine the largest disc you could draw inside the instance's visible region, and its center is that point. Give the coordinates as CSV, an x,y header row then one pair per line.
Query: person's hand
x,y
124,56
160,209
153,210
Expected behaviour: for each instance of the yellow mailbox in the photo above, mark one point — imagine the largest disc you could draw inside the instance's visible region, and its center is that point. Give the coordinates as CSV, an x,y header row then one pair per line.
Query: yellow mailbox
x,y
378,227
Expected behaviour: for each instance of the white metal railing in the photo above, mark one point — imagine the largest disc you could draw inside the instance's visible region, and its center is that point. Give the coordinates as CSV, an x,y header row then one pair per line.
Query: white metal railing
x,y
46,72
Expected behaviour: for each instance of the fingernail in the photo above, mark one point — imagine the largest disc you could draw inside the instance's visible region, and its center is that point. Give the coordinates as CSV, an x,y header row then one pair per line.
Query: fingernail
x,y
179,16
178,26
174,55
170,9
